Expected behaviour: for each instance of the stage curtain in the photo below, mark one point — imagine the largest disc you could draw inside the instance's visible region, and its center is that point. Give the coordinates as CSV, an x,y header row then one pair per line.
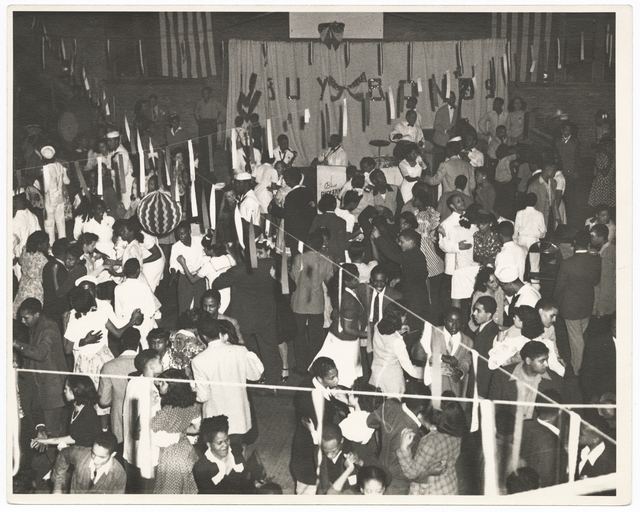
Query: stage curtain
x,y
285,59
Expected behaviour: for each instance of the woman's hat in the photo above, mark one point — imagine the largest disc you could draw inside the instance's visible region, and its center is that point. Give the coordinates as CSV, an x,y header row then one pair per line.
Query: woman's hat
x,y
113,134
48,152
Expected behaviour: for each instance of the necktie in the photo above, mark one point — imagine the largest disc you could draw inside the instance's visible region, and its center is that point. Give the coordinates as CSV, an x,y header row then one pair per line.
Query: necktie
x,y
94,473
512,307
376,309
450,346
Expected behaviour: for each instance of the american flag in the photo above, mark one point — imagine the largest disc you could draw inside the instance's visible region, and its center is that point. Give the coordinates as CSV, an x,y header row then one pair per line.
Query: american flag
x,y
187,47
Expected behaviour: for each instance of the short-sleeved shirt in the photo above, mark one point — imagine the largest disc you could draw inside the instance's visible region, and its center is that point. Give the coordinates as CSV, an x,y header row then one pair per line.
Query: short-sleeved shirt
x,y
350,309
96,321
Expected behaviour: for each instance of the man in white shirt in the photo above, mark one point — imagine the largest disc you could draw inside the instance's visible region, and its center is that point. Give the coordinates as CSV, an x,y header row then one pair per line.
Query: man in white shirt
x,y
248,207
190,249
517,292
407,130
141,403
116,149
24,224
511,254
282,153
597,457
335,154
134,294
492,119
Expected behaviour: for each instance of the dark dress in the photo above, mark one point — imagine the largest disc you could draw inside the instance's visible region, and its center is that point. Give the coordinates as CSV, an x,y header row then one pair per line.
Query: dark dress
x,y
85,427
234,483
175,463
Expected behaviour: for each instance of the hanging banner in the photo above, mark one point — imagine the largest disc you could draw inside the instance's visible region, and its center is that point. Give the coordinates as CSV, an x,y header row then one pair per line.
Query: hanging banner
x,y
143,170
269,138
392,105
344,118
99,189
192,176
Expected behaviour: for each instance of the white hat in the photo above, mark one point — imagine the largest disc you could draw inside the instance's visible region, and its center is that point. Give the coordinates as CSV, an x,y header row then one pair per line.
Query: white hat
x,y
242,176
86,279
507,274
456,139
48,152
113,134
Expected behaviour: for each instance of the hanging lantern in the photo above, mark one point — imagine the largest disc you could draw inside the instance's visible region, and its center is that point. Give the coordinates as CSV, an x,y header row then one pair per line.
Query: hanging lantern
x,y
159,214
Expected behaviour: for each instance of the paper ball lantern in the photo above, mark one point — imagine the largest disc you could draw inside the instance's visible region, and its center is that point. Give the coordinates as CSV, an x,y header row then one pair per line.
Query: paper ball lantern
x,y
159,214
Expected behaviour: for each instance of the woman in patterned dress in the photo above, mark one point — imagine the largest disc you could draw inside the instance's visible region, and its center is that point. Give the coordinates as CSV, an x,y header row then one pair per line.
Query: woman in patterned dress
x,y
32,260
486,242
433,467
180,414
603,188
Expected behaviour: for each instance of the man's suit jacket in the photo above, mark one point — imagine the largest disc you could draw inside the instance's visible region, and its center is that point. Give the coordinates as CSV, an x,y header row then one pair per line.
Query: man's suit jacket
x,y
575,285
52,306
112,390
544,452
483,342
604,465
113,482
337,226
465,361
441,124
298,213
503,387
365,295
545,202
391,419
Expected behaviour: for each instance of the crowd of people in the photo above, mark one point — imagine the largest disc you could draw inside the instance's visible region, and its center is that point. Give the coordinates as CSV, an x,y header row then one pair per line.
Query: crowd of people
x,y
465,279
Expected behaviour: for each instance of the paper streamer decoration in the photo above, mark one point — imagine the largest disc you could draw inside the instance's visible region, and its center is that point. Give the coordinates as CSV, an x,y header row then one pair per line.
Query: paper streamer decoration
x,y
532,69
318,405
610,49
212,208
346,256
167,166
100,191
64,50
581,45
44,59
123,184
559,63
475,420
234,149
473,78
143,170
509,66
344,118
107,112
574,435
340,270
253,256
436,376
307,115
141,57
420,84
267,227
206,220
83,183
380,58
607,39
284,270
269,138
488,429
448,73
210,144
392,105
192,176
152,154
505,69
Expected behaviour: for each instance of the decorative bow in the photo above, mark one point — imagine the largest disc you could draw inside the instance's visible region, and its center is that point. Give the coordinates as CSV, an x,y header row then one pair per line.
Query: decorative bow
x,y
331,34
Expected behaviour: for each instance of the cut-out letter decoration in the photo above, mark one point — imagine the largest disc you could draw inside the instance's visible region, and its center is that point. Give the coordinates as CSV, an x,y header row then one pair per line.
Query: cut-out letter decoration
x,y
247,103
466,89
331,34
271,89
323,85
291,96
490,83
376,93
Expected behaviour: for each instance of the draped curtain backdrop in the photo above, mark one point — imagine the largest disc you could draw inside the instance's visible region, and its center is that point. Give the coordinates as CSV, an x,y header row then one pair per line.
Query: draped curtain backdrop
x,y
281,60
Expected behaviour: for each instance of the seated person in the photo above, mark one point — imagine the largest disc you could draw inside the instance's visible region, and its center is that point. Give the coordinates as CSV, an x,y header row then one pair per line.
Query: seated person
x,y
95,470
219,470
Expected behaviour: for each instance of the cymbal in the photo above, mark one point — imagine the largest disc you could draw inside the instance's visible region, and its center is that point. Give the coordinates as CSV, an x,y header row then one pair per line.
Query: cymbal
x,y
379,143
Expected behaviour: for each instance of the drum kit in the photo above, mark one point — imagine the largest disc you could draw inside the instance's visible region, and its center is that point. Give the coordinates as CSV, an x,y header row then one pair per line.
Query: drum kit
x,y
398,153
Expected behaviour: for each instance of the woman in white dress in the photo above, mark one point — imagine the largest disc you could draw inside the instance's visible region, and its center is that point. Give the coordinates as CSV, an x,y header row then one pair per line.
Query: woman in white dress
x,y
99,223
412,169
342,343
561,185
390,354
153,262
466,269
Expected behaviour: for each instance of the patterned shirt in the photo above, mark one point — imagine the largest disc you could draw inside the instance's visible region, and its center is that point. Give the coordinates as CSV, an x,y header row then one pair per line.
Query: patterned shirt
x,y
428,221
486,247
433,447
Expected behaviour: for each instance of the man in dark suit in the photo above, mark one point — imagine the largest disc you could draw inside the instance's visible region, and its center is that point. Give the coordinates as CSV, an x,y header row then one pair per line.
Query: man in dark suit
x,y
483,311
323,378
598,456
375,296
95,469
253,305
298,211
44,352
52,306
542,447
575,293
335,449
392,418
445,121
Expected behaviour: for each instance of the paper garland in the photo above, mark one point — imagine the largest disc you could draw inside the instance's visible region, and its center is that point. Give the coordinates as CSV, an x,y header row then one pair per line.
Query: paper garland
x,y
192,175
100,191
448,94
269,138
143,171
344,118
392,105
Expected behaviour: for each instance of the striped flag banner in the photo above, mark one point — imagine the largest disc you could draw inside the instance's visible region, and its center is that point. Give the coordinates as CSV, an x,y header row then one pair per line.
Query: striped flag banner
x,y
529,34
186,44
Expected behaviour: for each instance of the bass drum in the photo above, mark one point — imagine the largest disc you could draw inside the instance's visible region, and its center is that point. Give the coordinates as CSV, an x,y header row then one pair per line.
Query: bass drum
x,y
68,126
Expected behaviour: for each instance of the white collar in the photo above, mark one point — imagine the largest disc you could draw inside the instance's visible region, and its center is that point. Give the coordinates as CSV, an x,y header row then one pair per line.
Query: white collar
x,y
580,251
129,353
480,327
411,415
326,393
102,470
225,466
456,339
334,459
591,456
551,427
